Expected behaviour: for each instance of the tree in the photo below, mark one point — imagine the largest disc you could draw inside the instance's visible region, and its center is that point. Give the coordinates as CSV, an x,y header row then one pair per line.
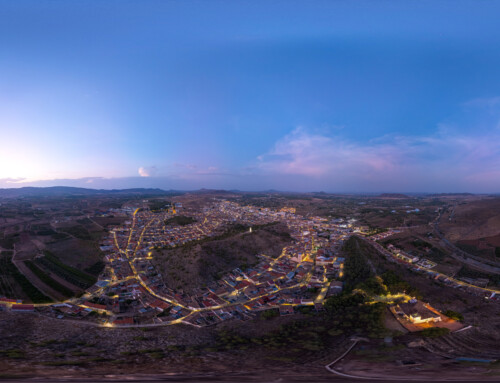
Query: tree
x,y
356,267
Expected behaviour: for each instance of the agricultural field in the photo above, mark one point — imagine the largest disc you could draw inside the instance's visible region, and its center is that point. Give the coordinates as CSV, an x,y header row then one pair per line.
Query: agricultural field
x,y
50,245
14,284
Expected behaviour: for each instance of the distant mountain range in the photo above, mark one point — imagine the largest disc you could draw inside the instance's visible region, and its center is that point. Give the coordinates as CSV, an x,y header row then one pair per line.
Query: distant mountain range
x,y
393,196
61,191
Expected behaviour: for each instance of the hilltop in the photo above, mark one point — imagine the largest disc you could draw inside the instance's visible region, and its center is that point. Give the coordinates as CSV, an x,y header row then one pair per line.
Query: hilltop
x,y
200,263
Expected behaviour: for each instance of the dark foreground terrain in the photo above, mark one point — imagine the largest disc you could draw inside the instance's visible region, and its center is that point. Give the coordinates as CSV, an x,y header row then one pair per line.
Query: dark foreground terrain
x,y
48,350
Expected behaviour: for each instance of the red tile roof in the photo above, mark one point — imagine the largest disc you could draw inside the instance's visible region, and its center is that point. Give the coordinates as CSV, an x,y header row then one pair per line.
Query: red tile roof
x,y
95,306
128,320
23,307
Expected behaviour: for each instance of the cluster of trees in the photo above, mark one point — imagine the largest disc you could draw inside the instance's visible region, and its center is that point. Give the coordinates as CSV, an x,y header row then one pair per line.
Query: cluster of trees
x,y
159,205
180,220
10,270
395,284
454,315
45,278
356,267
373,285
349,313
269,314
68,273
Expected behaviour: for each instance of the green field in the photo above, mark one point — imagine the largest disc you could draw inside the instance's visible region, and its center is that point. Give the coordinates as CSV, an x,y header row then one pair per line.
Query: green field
x,y
68,273
9,270
45,278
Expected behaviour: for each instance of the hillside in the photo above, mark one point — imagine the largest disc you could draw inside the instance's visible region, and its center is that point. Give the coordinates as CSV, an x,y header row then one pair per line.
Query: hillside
x,y
472,219
198,264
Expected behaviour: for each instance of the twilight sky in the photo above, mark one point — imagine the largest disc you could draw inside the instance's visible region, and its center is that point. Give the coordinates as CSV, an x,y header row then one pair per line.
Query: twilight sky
x,y
339,96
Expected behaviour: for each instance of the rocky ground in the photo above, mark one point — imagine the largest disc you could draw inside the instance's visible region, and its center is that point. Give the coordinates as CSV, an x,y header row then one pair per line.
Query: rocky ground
x,y
42,348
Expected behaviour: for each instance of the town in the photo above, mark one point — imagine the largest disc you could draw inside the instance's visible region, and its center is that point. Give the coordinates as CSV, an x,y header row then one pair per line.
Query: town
x,y
131,291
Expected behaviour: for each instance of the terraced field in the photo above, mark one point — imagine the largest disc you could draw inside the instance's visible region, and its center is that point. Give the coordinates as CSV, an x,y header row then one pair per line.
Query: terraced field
x,y
469,343
13,284
68,273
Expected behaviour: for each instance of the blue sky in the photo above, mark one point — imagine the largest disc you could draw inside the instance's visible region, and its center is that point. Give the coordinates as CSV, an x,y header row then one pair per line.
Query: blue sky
x,y
291,95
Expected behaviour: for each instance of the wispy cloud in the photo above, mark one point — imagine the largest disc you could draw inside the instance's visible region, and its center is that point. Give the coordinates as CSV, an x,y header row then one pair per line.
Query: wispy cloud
x,y
317,155
445,159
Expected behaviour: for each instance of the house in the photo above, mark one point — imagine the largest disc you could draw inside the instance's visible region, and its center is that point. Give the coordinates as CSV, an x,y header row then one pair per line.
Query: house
x,y
95,306
416,312
128,320
286,310
9,301
22,308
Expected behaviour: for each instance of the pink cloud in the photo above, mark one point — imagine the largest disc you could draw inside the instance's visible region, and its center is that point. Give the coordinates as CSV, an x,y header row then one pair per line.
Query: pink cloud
x,y
316,155
401,162
149,171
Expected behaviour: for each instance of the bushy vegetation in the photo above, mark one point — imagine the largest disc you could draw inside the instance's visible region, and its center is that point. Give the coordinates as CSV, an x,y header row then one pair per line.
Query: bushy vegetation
x,y
13,353
350,313
269,314
434,332
10,270
372,285
180,220
74,276
159,205
45,278
356,267
454,315
345,315
395,284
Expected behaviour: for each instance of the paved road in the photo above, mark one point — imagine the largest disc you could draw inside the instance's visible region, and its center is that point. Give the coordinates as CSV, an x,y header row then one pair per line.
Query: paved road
x,y
462,256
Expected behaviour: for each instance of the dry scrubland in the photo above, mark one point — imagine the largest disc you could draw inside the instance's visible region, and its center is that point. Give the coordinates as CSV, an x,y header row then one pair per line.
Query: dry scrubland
x,y
471,219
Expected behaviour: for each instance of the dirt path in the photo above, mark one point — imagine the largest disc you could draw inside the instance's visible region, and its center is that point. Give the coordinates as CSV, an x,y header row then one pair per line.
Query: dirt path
x,y
57,278
462,256
23,269
98,224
